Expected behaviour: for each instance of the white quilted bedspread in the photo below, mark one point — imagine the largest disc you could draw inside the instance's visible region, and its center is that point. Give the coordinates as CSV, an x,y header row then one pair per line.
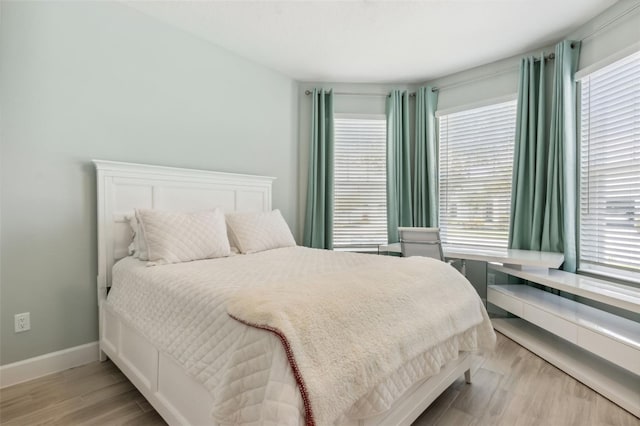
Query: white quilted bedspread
x,y
181,308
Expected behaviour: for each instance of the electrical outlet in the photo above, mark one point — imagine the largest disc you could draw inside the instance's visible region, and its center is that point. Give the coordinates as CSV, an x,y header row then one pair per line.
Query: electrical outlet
x,y
491,279
22,322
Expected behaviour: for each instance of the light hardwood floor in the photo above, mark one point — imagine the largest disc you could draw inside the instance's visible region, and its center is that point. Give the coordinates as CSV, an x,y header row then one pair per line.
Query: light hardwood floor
x,y
510,387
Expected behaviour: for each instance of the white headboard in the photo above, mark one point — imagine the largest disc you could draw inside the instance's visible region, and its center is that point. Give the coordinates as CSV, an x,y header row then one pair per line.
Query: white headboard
x,y
123,187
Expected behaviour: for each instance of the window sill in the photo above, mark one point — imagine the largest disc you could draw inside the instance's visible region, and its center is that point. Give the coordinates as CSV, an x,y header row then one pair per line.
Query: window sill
x,y
357,249
610,276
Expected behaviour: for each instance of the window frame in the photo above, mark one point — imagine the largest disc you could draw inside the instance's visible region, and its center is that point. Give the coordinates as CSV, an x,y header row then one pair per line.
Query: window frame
x,y
367,248
510,98
589,268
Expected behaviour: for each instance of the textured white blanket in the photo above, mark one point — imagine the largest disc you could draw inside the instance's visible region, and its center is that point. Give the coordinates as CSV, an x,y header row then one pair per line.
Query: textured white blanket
x,y
182,309
345,332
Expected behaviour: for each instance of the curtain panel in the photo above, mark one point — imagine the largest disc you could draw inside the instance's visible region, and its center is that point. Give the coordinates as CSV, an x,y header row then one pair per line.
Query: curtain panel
x,y
529,181
563,152
399,210
425,171
318,224
544,190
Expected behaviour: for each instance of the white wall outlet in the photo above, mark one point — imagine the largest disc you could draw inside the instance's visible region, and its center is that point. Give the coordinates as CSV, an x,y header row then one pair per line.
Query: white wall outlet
x,y
22,322
491,279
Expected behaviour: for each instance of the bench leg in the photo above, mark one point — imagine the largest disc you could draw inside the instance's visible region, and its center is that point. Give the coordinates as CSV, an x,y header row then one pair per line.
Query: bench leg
x,y
467,376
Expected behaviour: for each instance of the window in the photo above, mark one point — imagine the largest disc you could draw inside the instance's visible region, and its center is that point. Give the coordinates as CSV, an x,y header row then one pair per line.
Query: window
x,y
360,216
476,159
609,240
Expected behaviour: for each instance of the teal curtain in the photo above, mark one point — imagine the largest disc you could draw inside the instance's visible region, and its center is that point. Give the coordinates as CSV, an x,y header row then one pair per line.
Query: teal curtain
x,y
399,211
544,191
425,171
529,182
562,171
318,224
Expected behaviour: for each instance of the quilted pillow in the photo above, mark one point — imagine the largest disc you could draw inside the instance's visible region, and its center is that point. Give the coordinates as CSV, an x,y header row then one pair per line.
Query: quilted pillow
x,y
138,247
173,237
253,232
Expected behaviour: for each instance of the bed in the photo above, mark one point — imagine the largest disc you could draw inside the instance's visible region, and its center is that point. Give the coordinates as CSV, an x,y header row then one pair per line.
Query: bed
x,y
226,372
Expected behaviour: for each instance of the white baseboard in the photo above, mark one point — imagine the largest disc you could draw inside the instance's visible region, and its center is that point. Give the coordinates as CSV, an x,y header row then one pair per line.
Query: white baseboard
x,y
32,368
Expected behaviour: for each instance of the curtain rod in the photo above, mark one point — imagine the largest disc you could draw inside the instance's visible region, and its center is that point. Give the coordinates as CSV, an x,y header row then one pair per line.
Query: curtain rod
x,y
382,95
548,57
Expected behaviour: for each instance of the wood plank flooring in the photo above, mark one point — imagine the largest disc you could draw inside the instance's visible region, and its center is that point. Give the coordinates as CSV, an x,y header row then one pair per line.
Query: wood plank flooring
x,y
510,387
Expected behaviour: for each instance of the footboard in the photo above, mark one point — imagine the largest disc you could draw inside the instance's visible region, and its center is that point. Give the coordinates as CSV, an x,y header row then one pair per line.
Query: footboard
x,y
407,409
181,400
178,398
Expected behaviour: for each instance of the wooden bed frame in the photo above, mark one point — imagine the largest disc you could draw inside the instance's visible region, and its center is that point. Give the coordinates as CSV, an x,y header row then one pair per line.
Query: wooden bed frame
x,y
179,398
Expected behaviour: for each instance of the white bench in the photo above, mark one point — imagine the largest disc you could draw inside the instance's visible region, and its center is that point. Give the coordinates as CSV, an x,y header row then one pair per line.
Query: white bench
x,y
598,348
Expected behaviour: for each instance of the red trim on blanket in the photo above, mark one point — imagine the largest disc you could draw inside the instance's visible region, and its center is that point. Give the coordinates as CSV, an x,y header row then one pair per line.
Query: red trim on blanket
x,y
308,414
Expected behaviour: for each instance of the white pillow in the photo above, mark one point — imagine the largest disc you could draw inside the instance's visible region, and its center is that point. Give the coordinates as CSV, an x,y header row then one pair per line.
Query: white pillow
x,y
253,232
173,237
138,247
232,241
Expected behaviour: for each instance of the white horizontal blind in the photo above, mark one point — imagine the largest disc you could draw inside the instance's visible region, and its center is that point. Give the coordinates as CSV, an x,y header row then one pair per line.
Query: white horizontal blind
x,y
610,169
476,160
360,215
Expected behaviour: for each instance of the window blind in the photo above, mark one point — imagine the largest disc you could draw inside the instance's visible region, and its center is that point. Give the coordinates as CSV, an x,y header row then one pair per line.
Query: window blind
x,y
360,216
476,160
610,169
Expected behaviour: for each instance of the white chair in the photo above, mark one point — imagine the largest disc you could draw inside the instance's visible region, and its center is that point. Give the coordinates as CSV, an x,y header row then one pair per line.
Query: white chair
x,y
425,242
421,242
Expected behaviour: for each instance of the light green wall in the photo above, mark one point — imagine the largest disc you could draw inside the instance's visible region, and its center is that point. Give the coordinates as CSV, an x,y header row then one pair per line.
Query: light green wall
x,y
100,80
610,32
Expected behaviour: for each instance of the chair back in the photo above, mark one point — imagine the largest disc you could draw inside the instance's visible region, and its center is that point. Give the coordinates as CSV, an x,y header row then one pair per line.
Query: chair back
x,y
421,242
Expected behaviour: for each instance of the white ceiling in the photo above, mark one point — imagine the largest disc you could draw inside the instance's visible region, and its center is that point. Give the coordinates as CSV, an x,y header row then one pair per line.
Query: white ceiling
x,y
370,41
